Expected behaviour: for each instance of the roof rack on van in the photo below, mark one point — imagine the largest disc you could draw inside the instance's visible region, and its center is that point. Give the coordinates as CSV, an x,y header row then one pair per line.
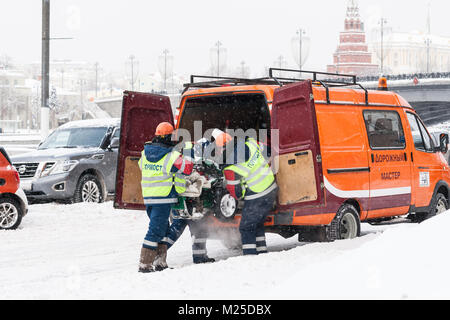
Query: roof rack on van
x,y
332,80
223,81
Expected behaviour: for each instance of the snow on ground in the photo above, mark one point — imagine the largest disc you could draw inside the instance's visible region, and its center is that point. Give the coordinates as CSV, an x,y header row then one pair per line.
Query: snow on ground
x,y
91,251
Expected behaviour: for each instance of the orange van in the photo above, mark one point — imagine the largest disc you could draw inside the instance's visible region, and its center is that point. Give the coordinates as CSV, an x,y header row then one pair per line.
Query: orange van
x,y
344,155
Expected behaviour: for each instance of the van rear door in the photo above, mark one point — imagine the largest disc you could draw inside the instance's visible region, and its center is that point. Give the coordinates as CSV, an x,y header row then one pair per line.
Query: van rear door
x,y
141,114
298,161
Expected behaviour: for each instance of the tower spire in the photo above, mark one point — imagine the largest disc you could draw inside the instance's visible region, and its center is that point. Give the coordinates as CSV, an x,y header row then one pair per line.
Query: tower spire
x,y
352,9
353,19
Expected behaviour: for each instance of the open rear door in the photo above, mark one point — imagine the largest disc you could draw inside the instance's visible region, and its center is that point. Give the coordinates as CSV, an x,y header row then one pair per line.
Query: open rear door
x,y
299,173
141,114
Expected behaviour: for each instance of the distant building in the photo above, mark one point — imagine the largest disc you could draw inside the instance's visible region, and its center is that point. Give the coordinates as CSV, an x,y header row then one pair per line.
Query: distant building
x,y
352,55
414,52
16,100
154,82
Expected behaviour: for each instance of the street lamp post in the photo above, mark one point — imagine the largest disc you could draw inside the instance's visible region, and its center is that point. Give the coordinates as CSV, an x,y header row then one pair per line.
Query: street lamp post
x,y
132,58
45,109
382,22
300,48
428,43
243,73
96,78
218,45
300,33
165,52
165,67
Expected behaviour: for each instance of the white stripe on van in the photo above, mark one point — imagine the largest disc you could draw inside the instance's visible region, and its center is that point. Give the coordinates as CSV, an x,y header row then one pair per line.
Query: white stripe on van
x,y
365,193
389,192
345,194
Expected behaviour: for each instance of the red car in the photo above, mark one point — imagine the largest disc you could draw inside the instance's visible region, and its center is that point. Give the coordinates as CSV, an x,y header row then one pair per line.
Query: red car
x,y
13,202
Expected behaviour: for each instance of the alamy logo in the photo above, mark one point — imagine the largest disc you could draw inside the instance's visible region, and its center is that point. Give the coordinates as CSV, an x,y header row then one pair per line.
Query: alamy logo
x,y
268,140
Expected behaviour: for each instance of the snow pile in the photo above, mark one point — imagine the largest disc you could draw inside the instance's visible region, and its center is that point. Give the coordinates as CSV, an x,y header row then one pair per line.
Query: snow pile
x,y
405,261
87,251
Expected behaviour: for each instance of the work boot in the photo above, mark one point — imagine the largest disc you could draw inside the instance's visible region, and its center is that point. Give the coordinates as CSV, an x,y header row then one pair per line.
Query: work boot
x,y
204,259
146,260
160,261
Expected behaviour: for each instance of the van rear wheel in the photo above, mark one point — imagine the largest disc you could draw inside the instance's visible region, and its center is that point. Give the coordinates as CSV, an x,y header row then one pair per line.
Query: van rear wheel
x,y
346,224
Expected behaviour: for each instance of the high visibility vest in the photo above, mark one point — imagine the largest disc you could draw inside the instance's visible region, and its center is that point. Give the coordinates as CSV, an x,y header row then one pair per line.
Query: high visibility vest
x,y
256,172
157,180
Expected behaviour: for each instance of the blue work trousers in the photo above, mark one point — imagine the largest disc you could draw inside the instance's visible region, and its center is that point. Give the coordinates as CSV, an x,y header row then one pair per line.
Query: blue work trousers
x,y
158,225
199,234
252,222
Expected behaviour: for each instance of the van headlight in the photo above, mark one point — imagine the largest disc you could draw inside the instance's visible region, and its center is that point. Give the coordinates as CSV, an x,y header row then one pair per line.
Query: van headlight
x,y
62,166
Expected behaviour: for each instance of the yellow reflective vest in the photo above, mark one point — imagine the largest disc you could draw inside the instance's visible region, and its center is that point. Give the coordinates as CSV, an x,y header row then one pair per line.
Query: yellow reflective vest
x,y
256,172
158,180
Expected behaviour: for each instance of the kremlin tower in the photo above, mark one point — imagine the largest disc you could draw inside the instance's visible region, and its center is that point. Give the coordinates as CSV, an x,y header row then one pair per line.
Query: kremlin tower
x,y
352,55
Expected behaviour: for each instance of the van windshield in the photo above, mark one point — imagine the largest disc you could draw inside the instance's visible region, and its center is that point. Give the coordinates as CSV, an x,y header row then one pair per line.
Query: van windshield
x,y
232,111
74,138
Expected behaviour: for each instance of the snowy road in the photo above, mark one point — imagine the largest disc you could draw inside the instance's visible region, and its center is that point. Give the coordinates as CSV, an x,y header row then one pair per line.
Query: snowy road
x,y
89,251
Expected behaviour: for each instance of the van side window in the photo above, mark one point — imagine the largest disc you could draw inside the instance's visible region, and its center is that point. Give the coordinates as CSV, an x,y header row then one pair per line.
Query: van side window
x,y
422,140
384,129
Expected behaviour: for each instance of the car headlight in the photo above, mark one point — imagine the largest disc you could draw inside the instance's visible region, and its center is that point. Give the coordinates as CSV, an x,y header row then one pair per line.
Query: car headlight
x,y
62,166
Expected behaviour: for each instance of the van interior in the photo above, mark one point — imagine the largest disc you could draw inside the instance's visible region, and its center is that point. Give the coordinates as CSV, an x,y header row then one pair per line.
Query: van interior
x,y
250,111
227,111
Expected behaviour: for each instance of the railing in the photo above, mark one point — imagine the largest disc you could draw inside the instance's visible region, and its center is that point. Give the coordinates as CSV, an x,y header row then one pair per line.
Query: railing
x,y
412,76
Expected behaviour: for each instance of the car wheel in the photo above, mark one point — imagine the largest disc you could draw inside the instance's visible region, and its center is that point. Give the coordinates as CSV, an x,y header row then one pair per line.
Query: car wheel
x,y
438,206
225,207
10,214
346,224
89,189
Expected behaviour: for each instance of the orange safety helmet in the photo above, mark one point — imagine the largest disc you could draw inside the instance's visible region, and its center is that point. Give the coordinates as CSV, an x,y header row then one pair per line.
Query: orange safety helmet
x,y
222,139
164,128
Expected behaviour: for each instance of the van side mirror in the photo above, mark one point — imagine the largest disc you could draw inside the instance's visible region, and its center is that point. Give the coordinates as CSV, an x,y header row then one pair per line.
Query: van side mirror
x,y
443,140
114,143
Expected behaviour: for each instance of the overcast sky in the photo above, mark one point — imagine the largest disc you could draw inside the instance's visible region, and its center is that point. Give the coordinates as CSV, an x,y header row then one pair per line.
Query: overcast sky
x,y
254,31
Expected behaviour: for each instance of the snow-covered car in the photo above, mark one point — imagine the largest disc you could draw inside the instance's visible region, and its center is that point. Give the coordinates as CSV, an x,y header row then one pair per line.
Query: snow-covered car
x,y
13,202
75,163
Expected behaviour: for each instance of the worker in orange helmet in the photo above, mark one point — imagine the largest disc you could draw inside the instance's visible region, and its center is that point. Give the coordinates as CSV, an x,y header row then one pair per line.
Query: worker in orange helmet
x,y
163,170
249,177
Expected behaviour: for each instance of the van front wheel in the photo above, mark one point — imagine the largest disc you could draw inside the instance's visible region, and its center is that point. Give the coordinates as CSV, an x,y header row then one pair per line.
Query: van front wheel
x,y
346,224
438,206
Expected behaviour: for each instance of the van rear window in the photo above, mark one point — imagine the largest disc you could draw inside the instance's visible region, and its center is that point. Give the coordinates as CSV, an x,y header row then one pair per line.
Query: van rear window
x,y
384,129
